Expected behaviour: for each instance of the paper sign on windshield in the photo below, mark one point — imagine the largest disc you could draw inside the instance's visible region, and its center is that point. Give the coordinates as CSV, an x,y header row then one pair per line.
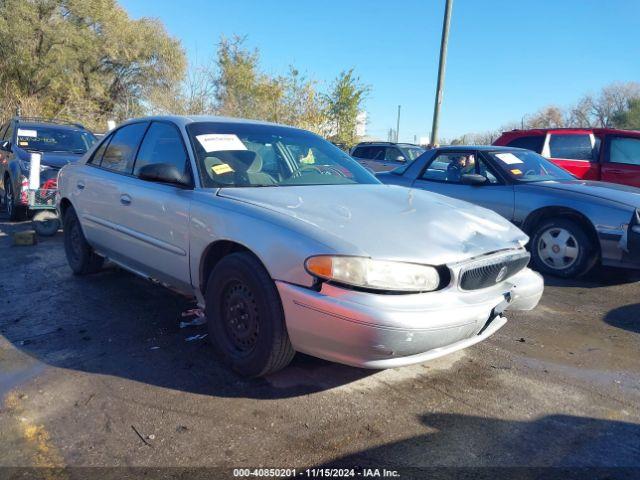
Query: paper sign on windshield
x,y
508,158
215,142
27,133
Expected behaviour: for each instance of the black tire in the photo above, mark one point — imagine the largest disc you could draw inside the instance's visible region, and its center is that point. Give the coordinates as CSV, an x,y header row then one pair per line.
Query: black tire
x,y
46,223
565,267
16,213
80,256
245,317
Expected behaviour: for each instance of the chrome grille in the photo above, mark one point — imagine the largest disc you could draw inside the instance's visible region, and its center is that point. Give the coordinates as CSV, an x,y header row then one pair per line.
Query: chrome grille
x,y
490,272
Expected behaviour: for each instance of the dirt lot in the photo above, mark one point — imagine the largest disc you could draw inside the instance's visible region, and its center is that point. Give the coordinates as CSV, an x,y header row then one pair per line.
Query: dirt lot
x,y
95,371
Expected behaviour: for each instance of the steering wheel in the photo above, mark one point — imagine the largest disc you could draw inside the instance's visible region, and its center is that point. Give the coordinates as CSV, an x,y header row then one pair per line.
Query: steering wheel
x,y
324,170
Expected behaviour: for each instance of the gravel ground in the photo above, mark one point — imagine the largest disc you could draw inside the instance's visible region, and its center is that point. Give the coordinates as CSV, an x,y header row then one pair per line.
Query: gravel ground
x,y
95,371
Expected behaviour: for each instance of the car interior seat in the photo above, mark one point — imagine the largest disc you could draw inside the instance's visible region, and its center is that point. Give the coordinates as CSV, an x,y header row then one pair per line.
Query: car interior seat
x,y
245,168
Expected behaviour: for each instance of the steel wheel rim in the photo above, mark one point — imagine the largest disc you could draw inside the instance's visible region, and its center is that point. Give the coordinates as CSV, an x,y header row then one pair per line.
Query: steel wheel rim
x,y
240,318
558,248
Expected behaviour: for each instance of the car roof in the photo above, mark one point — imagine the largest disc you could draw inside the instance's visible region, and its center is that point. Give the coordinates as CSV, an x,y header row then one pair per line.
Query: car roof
x,y
184,120
568,130
482,148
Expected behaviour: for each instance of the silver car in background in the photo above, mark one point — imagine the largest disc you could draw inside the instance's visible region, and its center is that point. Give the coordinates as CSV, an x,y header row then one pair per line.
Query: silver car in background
x,y
291,245
573,223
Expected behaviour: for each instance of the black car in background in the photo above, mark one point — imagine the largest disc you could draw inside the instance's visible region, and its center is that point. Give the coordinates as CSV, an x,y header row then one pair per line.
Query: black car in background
x,y
385,156
58,143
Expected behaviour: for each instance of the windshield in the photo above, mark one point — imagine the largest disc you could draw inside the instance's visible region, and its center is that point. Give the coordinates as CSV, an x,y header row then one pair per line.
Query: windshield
x,y
245,155
527,166
413,152
52,139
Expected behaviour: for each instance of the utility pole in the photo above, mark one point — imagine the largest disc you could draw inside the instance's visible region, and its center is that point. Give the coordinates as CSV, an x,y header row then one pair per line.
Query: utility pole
x,y
398,125
441,70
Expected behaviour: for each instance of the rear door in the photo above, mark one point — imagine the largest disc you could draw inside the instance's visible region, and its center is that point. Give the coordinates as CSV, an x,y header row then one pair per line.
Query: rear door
x,y
99,189
443,175
575,151
621,160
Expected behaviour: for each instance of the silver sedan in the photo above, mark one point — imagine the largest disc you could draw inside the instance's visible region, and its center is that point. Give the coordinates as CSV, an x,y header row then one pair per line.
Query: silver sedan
x,y
573,223
291,245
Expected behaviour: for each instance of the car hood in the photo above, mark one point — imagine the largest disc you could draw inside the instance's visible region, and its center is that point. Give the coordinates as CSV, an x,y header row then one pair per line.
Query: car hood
x,y
624,194
387,221
53,159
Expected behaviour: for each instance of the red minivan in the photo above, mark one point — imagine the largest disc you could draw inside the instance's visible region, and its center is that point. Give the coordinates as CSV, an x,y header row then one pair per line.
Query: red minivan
x,y
605,154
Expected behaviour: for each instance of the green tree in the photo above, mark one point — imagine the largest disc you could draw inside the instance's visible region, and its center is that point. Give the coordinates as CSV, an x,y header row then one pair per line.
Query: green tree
x,y
82,59
629,118
344,101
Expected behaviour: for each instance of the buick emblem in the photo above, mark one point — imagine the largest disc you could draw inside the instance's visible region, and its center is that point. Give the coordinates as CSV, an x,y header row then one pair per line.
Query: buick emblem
x,y
501,274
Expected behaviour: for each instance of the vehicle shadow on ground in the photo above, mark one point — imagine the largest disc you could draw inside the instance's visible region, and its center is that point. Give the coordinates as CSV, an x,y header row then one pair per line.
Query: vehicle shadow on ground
x,y
626,317
598,277
471,441
114,323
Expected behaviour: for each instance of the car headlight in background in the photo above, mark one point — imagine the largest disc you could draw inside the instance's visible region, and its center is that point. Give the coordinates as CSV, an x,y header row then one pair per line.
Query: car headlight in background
x,y
374,274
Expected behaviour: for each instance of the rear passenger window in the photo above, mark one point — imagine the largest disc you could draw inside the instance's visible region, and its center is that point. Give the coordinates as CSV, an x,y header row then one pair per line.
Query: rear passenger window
x,y
162,144
572,147
96,158
625,150
533,143
121,151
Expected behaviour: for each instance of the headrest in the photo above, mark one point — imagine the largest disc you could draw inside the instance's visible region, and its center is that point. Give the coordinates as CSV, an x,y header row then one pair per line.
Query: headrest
x,y
243,160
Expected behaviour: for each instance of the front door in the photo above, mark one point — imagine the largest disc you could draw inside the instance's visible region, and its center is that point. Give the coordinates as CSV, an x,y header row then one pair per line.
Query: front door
x,y
444,175
154,217
622,160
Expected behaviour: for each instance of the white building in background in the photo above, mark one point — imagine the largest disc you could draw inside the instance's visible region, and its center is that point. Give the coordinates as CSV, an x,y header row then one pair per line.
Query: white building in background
x,y
361,124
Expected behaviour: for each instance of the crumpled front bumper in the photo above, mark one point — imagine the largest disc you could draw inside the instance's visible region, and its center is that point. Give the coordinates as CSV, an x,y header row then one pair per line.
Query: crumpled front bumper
x,y
383,331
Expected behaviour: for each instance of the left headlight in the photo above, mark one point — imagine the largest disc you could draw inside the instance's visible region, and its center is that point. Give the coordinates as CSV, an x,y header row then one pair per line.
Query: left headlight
x,y
374,274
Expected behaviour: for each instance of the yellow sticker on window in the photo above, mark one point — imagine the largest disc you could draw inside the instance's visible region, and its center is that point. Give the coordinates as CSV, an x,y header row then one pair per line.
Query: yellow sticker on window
x,y
221,168
23,144
516,171
309,159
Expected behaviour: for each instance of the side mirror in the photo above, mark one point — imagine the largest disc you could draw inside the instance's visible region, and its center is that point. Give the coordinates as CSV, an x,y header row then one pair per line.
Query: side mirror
x,y
6,146
473,179
164,173
401,159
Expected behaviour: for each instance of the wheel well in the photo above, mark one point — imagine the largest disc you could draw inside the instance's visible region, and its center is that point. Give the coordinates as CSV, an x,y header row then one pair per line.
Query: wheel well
x,y
538,216
213,254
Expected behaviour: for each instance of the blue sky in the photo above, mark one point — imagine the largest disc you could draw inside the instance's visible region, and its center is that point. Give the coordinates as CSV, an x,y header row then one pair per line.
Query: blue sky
x,y
506,58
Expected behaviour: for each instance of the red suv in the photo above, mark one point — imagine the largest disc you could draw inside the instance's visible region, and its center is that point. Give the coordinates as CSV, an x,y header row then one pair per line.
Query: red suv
x,y
603,154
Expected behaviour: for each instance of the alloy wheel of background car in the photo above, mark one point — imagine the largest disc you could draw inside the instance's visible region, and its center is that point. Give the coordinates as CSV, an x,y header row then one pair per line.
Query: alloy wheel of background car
x,y
245,317
561,247
80,256
557,248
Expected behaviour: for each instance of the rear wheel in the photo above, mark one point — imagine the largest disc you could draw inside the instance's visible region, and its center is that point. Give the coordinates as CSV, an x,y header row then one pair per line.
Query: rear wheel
x,y
245,317
16,212
80,256
561,247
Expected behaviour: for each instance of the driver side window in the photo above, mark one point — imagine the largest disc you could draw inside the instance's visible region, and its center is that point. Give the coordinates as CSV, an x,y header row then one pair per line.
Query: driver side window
x,y
449,167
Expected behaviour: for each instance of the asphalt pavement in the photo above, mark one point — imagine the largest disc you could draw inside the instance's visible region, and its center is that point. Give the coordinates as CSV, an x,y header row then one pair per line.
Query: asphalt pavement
x,y
95,371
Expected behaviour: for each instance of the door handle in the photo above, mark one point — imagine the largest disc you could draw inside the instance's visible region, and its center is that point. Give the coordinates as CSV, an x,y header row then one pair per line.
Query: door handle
x,y
616,172
125,199
80,185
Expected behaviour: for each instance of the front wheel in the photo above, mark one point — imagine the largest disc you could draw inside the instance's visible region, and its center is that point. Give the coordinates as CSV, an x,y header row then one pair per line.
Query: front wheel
x,y
561,247
245,317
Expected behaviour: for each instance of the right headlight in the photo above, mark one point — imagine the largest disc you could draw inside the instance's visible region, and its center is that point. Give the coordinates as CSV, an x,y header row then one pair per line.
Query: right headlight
x,y
373,274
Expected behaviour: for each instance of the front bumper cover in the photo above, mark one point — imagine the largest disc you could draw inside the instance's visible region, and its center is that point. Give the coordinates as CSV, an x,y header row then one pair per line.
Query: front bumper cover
x,y
382,331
